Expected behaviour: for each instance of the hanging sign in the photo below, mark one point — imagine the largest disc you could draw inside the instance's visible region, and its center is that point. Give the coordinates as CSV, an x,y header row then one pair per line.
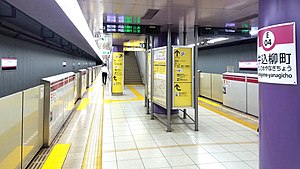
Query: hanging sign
x,y
248,65
117,72
182,77
276,54
9,63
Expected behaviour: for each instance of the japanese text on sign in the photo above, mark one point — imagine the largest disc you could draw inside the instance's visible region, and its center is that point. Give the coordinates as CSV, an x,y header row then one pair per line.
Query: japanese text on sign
x,y
159,71
277,54
182,77
117,72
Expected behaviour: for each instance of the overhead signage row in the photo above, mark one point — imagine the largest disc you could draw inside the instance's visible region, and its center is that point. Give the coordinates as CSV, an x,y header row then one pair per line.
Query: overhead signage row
x,y
130,28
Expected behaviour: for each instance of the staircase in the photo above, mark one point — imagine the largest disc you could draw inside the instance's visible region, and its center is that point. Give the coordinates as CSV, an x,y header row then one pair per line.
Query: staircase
x,y
132,73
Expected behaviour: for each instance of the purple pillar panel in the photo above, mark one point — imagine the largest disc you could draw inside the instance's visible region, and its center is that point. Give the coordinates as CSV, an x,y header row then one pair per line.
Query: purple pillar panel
x,y
279,98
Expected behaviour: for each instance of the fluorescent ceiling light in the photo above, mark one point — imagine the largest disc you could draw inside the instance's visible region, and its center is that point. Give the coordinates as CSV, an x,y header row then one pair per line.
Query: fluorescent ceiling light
x,y
72,9
217,40
192,45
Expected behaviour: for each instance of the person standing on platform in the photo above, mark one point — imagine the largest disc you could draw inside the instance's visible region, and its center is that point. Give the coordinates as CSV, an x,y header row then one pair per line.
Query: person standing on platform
x,y
104,71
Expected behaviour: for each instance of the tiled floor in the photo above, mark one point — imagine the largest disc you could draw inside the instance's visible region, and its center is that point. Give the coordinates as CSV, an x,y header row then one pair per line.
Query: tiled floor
x,y
130,140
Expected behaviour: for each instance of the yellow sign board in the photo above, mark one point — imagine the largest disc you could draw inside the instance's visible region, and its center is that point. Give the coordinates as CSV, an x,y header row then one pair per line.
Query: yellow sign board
x,y
133,43
182,77
117,72
159,70
133,49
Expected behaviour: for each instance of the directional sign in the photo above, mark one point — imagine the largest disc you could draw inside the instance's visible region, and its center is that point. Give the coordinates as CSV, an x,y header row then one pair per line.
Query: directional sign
x,y
118,66
177,53
177,87
182,77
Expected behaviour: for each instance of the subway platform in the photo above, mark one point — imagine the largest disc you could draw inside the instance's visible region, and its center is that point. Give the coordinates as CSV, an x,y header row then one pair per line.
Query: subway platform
x,y
114,132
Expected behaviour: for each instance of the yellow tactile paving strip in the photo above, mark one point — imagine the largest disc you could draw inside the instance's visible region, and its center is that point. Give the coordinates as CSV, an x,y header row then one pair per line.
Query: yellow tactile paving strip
x,y
83,104
137,94
57,156
138,97
209,102
93,151
214,107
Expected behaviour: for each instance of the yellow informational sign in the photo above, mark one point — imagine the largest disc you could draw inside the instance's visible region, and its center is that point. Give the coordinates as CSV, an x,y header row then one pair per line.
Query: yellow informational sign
x,y
159,70
149,73
133,43
133,49
117,72
182,77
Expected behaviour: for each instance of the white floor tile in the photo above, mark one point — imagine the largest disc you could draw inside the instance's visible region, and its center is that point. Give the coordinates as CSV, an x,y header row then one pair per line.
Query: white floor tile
x,y
203,158
125,145
127,155
145,143
153,153
246,156
130,164
179,160
108,147
214,148
142,137
225,157
253,164
234,147
187,167
185,141
213,166
176,151
165,142
109,157
194,150
155,163
120,139
236,165
109,165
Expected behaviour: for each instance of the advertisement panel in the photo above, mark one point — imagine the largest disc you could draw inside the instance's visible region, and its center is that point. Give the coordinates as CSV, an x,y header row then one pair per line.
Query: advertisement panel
x,y
160,78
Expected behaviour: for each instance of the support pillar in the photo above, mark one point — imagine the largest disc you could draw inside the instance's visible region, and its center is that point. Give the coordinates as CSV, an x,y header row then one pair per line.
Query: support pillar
x,y
279,104
196,78
169,79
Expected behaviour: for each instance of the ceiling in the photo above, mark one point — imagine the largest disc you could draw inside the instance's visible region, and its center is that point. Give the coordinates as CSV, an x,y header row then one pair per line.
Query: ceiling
x,y
50,14
179,13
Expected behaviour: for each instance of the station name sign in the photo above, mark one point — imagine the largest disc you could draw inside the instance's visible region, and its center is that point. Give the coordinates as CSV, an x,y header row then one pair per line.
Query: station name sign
x,y
276,54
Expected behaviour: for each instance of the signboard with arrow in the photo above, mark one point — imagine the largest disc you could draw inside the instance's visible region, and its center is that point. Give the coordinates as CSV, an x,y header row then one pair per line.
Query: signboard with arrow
x,y
177,87
182,77
117,72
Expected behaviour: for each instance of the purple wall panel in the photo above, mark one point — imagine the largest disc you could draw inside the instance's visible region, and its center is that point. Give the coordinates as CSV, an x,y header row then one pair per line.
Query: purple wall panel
x,y
279,104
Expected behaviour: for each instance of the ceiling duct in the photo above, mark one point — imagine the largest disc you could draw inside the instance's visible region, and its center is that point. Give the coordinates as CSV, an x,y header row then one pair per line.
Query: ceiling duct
x,y
245,18
150,13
